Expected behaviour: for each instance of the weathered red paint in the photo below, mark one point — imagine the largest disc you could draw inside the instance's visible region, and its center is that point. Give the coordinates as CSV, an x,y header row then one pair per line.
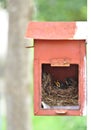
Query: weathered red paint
x,y
72,49
53,45
51,30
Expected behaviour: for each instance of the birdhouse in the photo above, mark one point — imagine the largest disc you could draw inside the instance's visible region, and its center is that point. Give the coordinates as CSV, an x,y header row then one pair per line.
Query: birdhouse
x,y
59,67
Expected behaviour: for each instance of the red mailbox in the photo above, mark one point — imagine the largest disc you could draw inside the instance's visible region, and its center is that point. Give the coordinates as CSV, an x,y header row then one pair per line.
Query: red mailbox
x,y
59,67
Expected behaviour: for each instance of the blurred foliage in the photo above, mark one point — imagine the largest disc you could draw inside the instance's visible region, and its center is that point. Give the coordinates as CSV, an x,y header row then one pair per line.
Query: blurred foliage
x,y
61,10
3,3
59,123
3,125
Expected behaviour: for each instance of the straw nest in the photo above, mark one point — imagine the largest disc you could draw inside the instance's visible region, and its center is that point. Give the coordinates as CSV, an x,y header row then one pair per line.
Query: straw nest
x,y
62,95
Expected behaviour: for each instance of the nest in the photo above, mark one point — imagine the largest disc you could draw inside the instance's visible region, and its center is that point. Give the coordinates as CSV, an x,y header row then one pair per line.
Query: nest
x,y
59,96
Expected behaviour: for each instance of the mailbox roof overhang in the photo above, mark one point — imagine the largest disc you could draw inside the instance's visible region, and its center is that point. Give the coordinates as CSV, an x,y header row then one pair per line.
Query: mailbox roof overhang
x,y
57,30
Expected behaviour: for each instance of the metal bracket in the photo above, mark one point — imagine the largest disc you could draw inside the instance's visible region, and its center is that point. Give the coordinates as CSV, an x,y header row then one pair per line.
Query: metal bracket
x,y
28,43
29,46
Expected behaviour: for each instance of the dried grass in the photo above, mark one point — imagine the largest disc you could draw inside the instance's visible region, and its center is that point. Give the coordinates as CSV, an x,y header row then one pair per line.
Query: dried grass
x,y
55,96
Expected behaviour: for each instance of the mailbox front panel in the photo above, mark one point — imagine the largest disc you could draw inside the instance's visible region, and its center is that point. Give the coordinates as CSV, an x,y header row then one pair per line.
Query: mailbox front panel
x,y
59,77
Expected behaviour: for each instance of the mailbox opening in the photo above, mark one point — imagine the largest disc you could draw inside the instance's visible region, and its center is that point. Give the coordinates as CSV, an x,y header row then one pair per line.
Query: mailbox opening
x,y
60,86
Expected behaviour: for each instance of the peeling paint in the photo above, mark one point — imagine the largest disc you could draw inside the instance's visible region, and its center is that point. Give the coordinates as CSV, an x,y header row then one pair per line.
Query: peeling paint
x,y
81,30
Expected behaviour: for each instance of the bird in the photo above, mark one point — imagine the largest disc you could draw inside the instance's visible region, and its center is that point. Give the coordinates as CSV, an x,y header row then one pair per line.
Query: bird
x,y
71,82
60,84
57,83
63,85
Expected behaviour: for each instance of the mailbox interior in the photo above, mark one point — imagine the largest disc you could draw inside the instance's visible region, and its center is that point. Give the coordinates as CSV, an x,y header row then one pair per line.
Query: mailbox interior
x,y
60,73
55,96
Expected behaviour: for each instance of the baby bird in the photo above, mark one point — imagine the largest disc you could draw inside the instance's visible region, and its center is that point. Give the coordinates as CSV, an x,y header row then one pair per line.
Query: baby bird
x,y
57,83
70,82
60,84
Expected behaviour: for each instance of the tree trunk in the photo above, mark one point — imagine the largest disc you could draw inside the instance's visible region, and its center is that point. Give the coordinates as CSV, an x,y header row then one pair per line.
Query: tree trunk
x,y
18,66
